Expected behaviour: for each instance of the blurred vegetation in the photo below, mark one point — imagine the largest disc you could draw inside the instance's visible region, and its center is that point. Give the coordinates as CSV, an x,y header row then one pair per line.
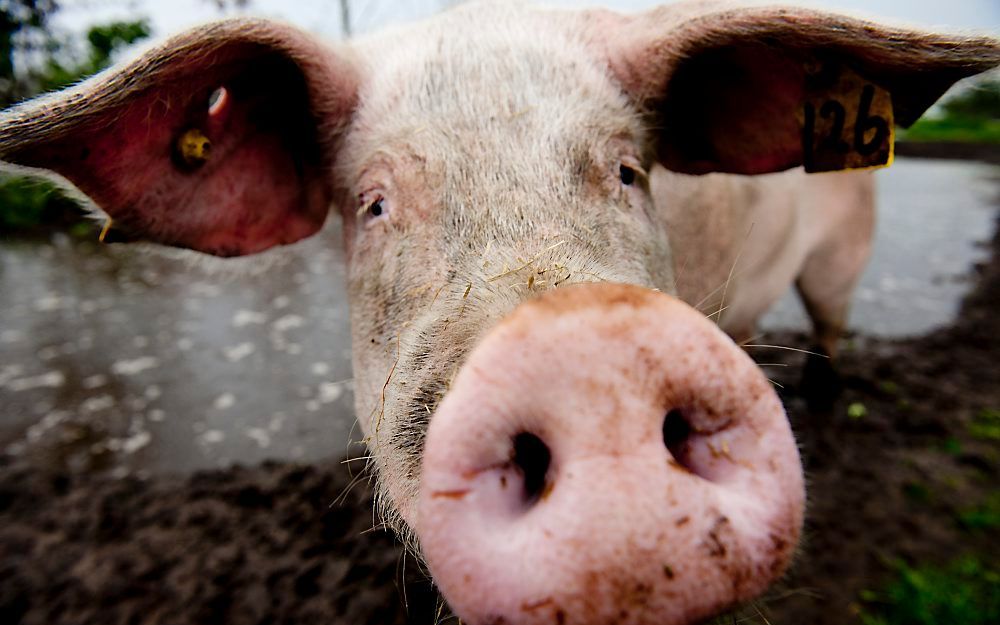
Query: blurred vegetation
x,y
21,24
984,516
101,44
985,425
972,116
34,58
965,592
30,205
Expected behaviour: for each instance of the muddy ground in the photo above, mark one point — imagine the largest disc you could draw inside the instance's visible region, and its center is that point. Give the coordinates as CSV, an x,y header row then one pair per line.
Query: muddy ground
x,y
891,468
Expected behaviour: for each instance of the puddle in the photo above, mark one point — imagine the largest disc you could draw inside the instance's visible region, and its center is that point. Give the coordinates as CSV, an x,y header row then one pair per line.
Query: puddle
x,y
933,219
136,361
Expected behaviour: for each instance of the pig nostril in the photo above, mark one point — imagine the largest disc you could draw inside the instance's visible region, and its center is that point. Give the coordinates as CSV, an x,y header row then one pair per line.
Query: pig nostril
x,y
532,457
676,433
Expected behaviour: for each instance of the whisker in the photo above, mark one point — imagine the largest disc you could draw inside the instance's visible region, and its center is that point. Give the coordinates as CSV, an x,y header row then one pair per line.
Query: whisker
x,y
749,340
791,349
802,591
760,614
732,269
707,297
439,618
679,271
402,577
347,489
716,313
355,459
351,441
377,527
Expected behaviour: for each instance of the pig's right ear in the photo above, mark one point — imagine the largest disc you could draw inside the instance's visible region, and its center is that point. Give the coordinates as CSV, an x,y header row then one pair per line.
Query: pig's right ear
x,y
760,89
220,140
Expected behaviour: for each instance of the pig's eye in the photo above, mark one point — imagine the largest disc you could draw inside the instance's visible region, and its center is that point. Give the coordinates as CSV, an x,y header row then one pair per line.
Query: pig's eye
x,y
373,207
627,174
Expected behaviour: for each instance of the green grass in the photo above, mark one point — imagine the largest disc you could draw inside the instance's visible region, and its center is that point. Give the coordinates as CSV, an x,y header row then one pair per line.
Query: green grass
x,y
986,425
971,115
985,516
32,204
856,410
957,129
23,201
917,493
889,387
965,592
952,446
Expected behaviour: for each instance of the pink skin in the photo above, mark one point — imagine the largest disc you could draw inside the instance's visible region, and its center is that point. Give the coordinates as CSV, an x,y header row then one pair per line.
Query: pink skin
x,y
624,530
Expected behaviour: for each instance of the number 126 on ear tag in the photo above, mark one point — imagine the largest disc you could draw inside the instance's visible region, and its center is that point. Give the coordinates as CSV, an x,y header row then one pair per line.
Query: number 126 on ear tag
x,y
846,122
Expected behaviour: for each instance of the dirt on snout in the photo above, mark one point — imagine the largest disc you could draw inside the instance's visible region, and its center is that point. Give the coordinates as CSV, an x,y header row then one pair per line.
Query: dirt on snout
x,y
895,469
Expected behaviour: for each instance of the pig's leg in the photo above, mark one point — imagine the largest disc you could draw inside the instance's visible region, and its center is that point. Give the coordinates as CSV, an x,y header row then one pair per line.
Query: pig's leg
x,y
826,285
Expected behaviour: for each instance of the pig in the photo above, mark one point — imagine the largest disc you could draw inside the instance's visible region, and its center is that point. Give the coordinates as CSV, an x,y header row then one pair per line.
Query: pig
x,y
539,207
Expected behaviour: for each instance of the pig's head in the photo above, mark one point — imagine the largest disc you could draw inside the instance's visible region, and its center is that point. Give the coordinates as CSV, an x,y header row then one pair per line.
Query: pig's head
x,y
564,452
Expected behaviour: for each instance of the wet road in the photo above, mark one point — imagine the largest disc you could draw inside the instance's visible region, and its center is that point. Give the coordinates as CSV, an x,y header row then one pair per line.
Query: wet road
x,y
131,361
123,359
932,217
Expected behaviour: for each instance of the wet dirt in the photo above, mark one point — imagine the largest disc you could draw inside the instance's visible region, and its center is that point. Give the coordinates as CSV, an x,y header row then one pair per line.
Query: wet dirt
x,y
897,460
294,543
276,543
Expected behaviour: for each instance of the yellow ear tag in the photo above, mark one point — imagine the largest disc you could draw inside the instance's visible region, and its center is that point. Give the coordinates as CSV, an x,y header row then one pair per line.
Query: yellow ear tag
x,y
193,148
846,121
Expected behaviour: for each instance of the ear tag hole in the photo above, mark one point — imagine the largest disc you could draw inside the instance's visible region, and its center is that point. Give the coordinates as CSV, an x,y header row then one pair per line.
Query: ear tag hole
x,y
218,102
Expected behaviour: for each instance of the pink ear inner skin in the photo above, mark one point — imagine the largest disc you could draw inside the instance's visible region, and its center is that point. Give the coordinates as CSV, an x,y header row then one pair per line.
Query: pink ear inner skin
x,y
725,83
265,180
734,110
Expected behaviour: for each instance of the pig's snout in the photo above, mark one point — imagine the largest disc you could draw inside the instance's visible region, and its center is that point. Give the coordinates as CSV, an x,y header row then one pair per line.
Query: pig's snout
x,y
607,455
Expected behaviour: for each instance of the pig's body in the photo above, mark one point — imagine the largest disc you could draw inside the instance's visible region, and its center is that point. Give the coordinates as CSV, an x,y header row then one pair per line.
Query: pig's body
x,y
569,442
739,243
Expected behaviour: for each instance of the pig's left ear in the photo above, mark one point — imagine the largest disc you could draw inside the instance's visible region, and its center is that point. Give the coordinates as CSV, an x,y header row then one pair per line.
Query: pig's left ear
x,y
758,90
220,140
